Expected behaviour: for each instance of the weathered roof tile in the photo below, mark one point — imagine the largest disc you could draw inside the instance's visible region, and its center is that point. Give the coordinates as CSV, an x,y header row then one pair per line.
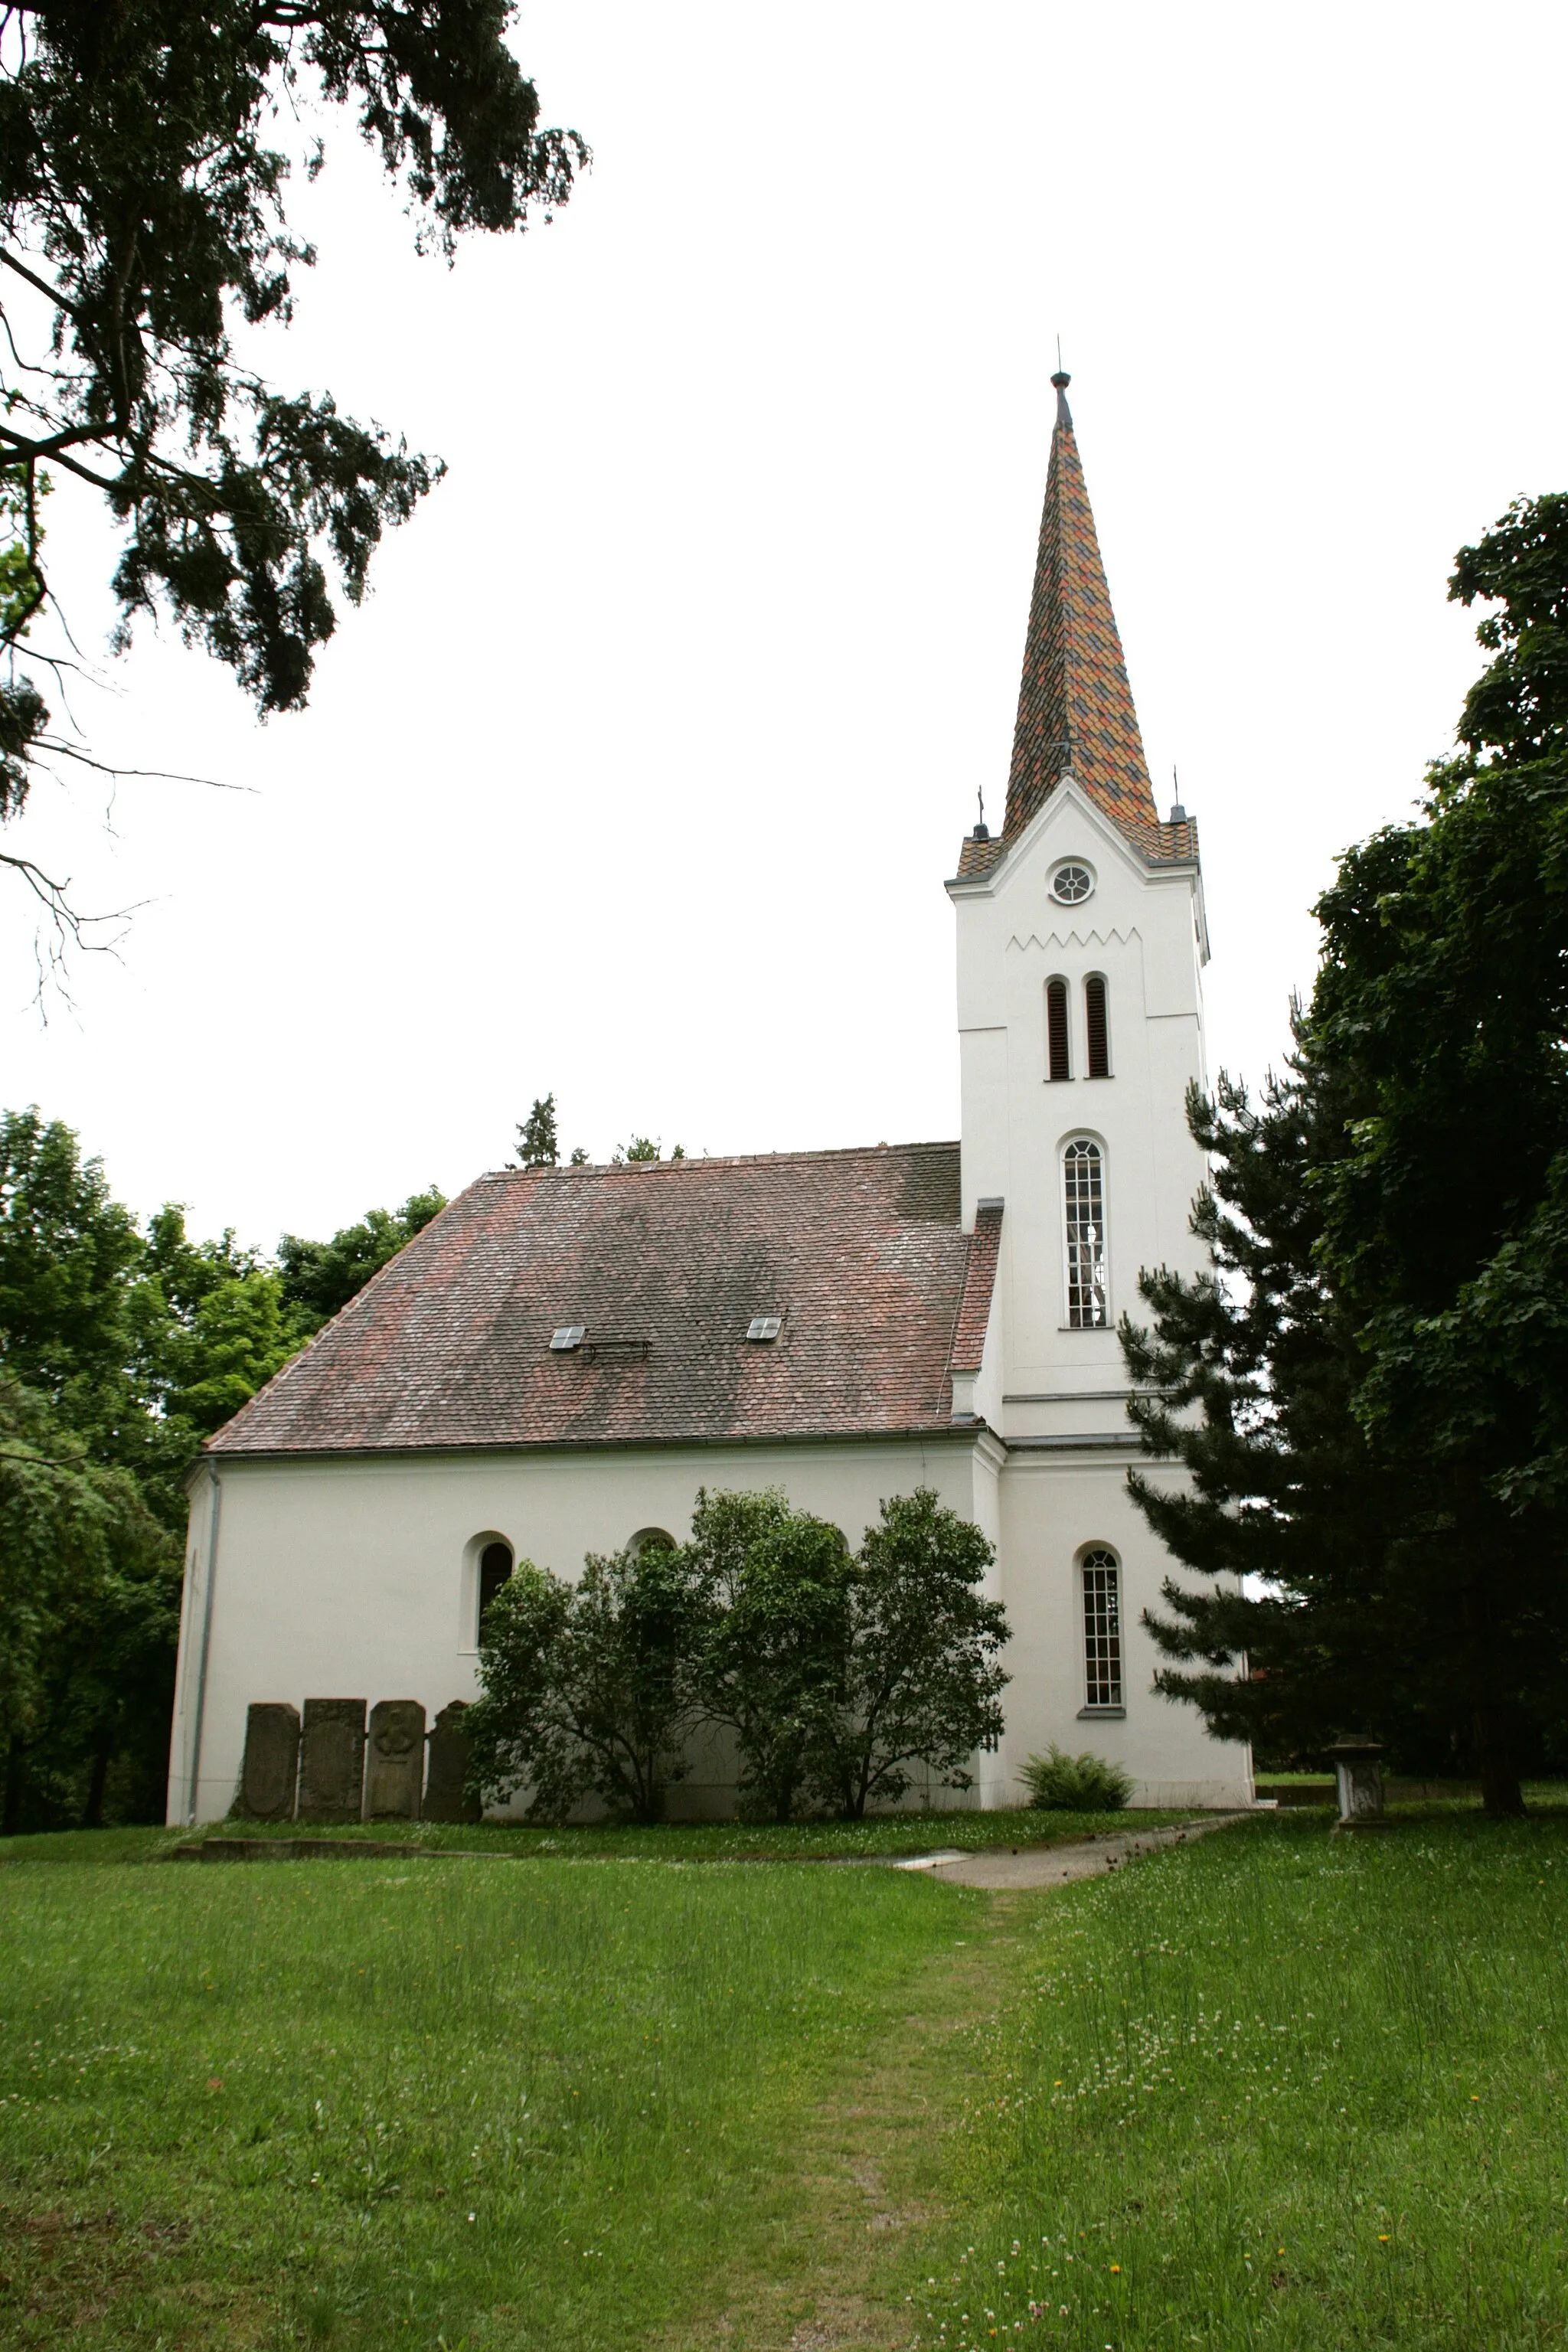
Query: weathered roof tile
x,y
860,1252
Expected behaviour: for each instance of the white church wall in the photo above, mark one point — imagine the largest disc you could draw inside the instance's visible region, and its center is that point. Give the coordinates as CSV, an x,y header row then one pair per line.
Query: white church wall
x,y
354,1577
1056,1506
1139,929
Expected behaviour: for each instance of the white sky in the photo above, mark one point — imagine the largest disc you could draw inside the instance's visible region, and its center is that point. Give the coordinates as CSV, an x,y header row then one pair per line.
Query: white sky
x,y
638,775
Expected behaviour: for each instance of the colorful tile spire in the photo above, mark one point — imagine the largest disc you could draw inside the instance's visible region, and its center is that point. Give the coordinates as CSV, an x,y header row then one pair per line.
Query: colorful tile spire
x,y
1075,705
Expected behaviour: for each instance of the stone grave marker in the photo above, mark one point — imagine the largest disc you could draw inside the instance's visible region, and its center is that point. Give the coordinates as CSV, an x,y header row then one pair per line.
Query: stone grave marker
x,y
444,1798
394,1766
271,1767
331,1760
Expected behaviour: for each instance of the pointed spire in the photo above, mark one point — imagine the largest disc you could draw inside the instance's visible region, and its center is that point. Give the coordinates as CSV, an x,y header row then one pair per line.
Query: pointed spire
x,y
1075,706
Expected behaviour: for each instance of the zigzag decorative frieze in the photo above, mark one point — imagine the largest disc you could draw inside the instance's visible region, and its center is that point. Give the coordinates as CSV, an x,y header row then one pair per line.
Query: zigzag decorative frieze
x,y
1077,939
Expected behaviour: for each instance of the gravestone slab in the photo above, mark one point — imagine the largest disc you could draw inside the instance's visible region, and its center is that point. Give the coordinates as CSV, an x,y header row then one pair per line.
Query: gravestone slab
x,y
271,1767
444,1798
394,1765
331,1760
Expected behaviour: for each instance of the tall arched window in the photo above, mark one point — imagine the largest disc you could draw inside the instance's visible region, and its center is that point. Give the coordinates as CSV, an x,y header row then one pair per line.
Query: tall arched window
x,y
1059,1062
1096,1026
1102,1578
495,1566
1083,1206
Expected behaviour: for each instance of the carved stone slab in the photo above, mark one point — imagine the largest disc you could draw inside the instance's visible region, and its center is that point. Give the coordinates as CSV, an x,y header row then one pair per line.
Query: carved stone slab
x,y
444,1798
394,1766
271,1766
331,1760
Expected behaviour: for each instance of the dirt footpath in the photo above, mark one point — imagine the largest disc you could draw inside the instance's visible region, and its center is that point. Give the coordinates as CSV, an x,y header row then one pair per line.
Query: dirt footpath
x,y
1055,1865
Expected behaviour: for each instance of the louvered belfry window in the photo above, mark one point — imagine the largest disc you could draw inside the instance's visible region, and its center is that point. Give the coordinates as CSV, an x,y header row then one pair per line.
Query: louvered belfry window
x,y
1083,1200
1059,1061
1097,1025
1103,1628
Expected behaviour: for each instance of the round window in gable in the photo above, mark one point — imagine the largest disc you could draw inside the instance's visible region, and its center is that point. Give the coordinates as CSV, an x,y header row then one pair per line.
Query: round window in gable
x,y
1071,883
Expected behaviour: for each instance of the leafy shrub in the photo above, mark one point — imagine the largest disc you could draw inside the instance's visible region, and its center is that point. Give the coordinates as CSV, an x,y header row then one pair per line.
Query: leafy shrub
x,y
1076,1784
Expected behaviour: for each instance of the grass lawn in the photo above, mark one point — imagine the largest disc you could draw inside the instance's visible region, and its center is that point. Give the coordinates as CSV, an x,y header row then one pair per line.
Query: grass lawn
x,y
885,1834
436,2103
1264,2091
1275,2091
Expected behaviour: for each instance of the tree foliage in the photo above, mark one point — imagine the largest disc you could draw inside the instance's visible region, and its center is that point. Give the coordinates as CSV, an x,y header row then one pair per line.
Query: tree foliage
x,y
777,1585
587,1687
1381,1426
835,1676
921,1684
319,1278
143,227
89,1602
122,1347
537,1145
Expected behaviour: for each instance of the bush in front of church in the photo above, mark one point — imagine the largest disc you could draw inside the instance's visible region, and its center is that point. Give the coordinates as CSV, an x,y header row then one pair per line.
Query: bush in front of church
x,y
842,1679
1058,1783
586,1688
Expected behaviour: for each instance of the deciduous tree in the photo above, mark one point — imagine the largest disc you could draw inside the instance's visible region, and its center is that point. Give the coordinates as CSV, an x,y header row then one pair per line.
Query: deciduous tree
x,y
144,233
587,1688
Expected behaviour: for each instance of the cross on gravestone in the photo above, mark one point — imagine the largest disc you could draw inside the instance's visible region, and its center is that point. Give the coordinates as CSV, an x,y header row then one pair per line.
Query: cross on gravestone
x,y
444,1797
331,1760
271,1767
394,1763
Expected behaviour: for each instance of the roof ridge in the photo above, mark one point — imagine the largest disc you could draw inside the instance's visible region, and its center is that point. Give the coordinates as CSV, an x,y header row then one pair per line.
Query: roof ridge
x,y
719,1160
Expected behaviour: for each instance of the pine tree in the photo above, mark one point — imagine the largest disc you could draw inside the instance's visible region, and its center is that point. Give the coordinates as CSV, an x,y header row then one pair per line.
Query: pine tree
x,y
1371,1389
537,1145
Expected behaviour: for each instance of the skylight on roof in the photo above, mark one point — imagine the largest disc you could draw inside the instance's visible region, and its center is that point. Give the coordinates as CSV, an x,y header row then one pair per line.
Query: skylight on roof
x,y
764,1327
568,1336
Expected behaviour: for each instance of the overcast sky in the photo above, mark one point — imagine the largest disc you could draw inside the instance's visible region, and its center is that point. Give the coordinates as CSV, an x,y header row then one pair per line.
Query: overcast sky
x,y
638,775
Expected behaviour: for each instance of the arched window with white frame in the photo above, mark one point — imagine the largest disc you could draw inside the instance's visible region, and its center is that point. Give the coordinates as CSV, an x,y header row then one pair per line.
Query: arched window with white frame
x,y
1099,1576
1083,1212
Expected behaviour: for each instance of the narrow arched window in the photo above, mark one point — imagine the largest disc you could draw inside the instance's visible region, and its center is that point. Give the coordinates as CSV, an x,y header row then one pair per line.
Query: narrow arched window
x,y
1057,1061
1083,1204
495,1566
1101,1627
1096,1026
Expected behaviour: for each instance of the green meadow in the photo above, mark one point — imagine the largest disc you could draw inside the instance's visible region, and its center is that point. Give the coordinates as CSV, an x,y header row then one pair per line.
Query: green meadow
x,y
1276,2090
1266,2090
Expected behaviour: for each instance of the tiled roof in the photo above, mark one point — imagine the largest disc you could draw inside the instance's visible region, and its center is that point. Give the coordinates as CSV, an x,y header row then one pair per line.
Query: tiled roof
x,y
974,1310
859,1252
1075,705
1161,845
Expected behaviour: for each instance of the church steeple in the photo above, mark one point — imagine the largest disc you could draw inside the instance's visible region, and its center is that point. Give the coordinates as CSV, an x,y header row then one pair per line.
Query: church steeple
x,y
1075,706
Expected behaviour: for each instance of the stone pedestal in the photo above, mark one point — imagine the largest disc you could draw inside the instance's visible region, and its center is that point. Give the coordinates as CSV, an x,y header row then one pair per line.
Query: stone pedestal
x,y
444,1798
331,1762
1358,1769
271,1767
395,1763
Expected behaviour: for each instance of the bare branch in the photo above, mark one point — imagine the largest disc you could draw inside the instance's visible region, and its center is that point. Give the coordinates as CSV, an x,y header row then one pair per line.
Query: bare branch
x,y
42,284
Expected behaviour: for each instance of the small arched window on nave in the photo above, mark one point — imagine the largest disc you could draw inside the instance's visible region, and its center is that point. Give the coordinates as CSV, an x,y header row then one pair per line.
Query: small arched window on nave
x,y
495,1568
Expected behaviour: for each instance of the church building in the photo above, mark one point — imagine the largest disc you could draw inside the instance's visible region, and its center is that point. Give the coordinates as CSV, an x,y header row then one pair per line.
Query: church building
x,y
566,1356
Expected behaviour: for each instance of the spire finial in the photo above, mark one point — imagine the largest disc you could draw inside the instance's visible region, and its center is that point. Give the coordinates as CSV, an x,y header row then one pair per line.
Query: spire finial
x,y
982,830
1061,381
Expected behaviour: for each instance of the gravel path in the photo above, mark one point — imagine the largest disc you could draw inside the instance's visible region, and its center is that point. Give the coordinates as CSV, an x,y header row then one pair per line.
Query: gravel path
x,y
1055,1865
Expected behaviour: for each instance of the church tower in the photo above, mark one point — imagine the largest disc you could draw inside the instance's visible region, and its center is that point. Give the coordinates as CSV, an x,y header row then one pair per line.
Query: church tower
x,y
1081,940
